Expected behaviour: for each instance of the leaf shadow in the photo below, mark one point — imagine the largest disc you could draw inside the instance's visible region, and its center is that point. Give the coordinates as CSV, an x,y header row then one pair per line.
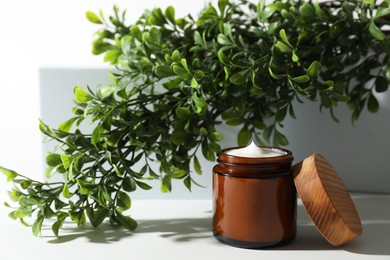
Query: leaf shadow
x,y
180,230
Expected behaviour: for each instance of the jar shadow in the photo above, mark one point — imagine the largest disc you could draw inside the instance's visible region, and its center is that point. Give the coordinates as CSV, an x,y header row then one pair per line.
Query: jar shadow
x,y
375,218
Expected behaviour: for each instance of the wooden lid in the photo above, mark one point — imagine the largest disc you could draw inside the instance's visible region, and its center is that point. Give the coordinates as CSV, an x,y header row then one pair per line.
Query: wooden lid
x,y
327,200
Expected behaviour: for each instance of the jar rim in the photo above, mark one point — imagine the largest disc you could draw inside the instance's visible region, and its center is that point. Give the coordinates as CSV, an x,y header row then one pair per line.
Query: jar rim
x,y
234,159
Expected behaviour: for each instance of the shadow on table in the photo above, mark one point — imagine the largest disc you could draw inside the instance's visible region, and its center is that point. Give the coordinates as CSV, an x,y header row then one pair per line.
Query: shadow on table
x,y
374,212
105,234
181,230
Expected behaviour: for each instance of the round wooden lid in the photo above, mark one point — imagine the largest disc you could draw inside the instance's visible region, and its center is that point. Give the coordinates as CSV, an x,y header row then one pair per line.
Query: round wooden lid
x,y
327,200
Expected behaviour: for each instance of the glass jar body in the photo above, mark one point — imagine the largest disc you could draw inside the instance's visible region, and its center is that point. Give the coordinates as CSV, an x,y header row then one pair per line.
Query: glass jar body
x,y
254,201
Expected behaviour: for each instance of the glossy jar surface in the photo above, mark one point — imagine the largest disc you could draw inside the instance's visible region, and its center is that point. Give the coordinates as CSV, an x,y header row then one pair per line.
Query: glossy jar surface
x,y
254,200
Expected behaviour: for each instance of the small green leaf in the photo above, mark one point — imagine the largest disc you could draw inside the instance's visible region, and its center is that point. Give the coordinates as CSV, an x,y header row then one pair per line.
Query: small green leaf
x,y
67,125
283,47
96,217
126,221
183,112
314,69
381,84
294,57
239,78
283,35
81,96
176,56
178,173
375,31
9,173
66,160
65,191
25,201
136,32
197,166
217,136
37,226
57,225
170,14
124,200
372,104
92,17
129,184
53,159
187,182
143,185
244,136
178,137
164,71
112,56
194,83
234,121
301,79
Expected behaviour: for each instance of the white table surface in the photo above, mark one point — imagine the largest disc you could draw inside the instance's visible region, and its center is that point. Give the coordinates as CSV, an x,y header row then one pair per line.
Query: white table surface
x,y
180,229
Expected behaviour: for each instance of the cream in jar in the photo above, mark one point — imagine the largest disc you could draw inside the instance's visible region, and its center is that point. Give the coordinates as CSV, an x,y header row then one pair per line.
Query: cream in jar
x,y
254,151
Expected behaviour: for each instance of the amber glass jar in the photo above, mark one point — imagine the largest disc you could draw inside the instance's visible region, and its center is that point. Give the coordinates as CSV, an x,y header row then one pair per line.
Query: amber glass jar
x,y
254,200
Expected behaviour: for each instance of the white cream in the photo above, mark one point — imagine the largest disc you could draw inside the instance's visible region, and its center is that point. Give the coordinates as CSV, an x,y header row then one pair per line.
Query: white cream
x,y
253,151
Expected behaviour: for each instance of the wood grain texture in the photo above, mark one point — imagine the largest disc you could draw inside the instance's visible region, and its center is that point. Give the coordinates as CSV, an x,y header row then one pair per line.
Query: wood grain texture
x,y
327,200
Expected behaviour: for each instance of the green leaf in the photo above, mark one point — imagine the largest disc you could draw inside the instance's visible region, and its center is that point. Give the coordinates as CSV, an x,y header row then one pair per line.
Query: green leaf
x,y
126,221
283,47
381,84
183,112
274,75
375,31
239,78
164,71
123,201
234,121
112,56
224,40
93,18
136,32
129,184
85,187
301,79
57,225
283,35
96,217
25,201
67,125
197,166
143,185
187,182
217,136
194,83
166,185
178,137
53,159
178,173
372,104
280,139
176,56
9,173
244,136
294,57
37,226
170,14
81,96
65,191
314,69
66,160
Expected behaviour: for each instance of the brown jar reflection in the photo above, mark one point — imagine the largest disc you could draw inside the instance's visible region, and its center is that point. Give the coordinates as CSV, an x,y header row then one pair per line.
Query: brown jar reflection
x,y
254,200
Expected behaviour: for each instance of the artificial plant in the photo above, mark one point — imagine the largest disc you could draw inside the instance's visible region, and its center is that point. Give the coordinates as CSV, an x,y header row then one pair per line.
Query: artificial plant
x,y
176,79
